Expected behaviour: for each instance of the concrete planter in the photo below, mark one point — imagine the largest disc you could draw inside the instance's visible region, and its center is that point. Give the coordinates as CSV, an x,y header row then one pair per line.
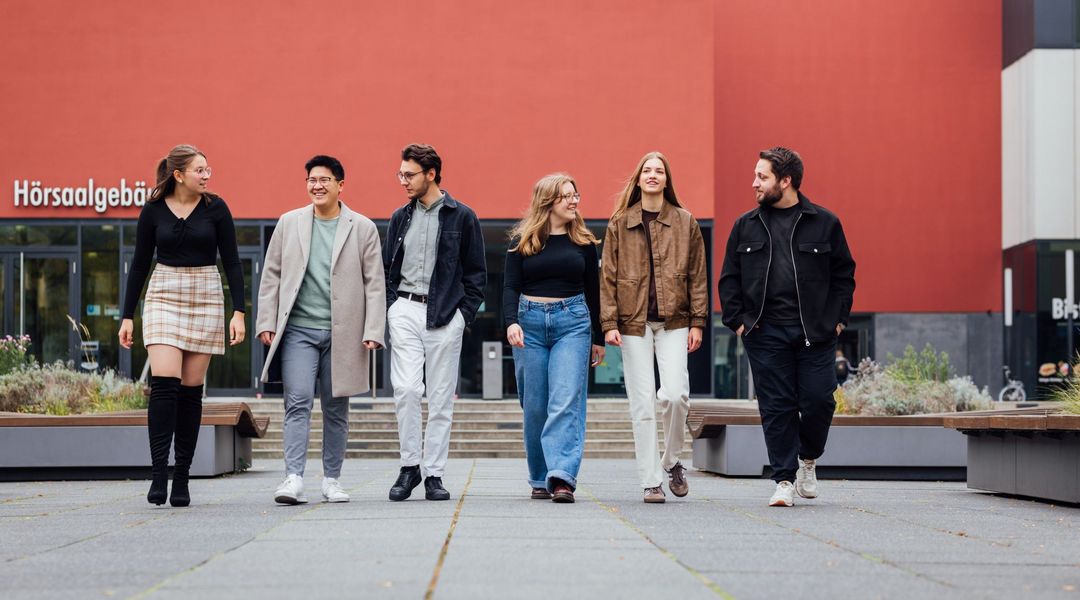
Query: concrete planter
x,y
38,452
1033,456
110,446
853,452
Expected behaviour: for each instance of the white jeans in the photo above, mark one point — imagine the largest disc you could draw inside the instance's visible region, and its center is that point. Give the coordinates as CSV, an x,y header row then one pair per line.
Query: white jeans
x,y
412,346
669,349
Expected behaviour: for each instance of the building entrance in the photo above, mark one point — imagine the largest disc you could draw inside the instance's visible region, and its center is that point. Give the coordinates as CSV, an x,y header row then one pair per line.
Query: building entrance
x,y
38,298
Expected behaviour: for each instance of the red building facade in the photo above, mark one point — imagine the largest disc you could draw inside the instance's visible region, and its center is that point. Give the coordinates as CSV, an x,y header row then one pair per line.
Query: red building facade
x,y
895,107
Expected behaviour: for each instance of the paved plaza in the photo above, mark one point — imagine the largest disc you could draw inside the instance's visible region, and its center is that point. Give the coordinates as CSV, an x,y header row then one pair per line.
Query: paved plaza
x,y
861,539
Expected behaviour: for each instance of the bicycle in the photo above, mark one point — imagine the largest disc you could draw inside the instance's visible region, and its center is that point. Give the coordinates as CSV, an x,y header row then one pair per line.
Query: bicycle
x,y
1013,390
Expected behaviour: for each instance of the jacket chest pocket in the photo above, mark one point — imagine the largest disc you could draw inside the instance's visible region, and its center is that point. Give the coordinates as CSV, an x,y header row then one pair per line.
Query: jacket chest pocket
x,y
814,260
753,258
449,247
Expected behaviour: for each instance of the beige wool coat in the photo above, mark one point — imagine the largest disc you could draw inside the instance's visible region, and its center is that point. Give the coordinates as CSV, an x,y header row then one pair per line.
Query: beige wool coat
x,y
357,289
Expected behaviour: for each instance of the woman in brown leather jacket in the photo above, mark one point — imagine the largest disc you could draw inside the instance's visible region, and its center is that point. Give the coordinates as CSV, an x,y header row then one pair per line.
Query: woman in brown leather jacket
x,y
654,300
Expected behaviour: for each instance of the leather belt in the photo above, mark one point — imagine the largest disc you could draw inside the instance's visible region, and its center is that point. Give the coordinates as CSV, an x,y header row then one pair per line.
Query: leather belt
x,y
413,297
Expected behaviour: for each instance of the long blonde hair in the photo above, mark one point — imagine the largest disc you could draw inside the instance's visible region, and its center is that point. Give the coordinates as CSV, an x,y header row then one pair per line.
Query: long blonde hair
x,y
631,193
531,233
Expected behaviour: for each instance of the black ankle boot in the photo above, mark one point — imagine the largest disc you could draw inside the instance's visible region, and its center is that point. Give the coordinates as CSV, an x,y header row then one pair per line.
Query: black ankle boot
x,y
159,488
180,495
188,420
160,424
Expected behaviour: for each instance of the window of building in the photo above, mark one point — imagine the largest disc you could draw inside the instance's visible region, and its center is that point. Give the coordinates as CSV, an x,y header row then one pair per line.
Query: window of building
x,y
100,299
19,234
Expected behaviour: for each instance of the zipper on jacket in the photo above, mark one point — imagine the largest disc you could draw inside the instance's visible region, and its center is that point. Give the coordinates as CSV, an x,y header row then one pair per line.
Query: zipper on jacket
x,y
768,266
791,247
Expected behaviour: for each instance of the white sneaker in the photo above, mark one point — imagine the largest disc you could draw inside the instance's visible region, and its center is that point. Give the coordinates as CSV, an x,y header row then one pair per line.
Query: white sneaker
x,y
332,492
806,479
291,491
784,495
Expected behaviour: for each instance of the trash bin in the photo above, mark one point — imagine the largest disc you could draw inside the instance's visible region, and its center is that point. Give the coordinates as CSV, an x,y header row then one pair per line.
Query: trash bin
x,y
492,370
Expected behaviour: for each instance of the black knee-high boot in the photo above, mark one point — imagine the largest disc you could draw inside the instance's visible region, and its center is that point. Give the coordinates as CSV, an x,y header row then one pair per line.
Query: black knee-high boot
x,y
188,419
161,423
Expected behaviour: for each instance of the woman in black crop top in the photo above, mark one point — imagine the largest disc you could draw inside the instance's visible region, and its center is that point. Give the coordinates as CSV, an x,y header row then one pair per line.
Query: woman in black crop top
x,y
551,305
183,314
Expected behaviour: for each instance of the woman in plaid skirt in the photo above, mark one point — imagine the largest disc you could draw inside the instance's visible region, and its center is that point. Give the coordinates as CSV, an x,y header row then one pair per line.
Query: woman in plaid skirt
x,y
183,313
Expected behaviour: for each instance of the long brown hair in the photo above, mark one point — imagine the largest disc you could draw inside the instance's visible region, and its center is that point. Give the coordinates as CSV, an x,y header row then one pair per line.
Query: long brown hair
x,y
631,193
178,159
531,233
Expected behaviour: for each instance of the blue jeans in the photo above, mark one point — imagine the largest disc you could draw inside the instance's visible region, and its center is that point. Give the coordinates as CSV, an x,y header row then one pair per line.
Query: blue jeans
x,y
552,380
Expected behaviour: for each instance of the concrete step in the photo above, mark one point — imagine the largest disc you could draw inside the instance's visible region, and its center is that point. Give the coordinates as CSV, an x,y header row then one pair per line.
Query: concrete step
x,y
457,448
458,424
494,453
475,406
491,405
375,443
456,434
463,415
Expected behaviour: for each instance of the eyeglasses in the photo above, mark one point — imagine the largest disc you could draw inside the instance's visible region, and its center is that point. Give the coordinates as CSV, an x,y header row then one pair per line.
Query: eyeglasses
x,y
407,176
566,198
201,171
319,180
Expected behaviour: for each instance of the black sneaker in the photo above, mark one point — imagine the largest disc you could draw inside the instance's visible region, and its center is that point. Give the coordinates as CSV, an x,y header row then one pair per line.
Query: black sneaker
x,y
435,490
407,480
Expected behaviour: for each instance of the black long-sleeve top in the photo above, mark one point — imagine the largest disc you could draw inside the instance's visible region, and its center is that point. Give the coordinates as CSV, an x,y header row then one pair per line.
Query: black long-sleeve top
x,y
191,242
562,269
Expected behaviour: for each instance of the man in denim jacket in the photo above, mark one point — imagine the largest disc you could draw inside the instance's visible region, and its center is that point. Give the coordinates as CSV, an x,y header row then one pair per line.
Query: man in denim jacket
x,y
433,255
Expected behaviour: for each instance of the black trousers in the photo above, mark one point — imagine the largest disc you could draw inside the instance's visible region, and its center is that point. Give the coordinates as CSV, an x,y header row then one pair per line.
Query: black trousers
x,y
795,386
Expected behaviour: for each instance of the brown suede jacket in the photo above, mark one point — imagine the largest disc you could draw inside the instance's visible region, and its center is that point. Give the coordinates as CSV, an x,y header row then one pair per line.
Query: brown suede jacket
x,y
678,258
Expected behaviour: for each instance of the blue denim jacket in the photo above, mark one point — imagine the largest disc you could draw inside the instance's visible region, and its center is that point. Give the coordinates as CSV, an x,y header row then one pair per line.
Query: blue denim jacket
x,y
460,274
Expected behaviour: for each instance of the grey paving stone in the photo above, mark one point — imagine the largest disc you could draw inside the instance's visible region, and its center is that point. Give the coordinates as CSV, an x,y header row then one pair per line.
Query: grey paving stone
x,y
863,539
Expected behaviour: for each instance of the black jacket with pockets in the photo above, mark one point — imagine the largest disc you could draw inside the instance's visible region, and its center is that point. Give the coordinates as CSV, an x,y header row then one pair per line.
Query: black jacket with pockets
x,y
824,271
460,273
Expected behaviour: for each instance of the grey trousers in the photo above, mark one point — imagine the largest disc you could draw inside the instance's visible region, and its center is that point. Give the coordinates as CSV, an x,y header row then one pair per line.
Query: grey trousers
x,y
305,362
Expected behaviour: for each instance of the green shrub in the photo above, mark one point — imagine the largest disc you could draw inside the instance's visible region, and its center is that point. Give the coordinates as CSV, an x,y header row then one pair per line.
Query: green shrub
x,y
56,389
909,389
927,365
1068,394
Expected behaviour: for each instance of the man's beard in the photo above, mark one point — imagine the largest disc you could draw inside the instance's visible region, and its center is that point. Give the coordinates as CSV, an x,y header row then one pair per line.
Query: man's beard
x,y
771,196
420,192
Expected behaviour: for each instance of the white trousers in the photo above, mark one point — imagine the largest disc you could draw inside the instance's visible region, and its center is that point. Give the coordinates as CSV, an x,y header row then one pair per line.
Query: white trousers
x,y
412,348
669,350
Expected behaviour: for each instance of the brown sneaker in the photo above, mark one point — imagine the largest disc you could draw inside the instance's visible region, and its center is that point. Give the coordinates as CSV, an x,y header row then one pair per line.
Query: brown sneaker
x,y
540,494
677,482
655,495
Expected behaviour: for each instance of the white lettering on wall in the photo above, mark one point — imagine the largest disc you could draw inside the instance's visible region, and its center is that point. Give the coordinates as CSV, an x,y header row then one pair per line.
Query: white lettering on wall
x,y
1058,310
31,194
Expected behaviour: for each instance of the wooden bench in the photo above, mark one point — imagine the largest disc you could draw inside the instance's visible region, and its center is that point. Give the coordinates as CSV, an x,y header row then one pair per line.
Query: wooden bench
x,y
111,445
728,440
707,418
1034,455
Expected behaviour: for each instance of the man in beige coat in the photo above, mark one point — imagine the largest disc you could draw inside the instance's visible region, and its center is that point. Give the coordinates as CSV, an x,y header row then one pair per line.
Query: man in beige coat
x,y
321,304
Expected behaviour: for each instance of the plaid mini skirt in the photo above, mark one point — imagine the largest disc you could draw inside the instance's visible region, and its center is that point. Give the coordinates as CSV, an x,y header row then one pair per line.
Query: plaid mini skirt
x,y
184,307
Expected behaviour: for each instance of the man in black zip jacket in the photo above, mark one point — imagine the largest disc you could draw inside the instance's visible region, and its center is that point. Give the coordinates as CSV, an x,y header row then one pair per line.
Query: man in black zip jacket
x,y
786,288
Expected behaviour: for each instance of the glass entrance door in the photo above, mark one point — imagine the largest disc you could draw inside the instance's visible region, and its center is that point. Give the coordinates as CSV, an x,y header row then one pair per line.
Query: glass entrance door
x,y
237,372
39,298
132,362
